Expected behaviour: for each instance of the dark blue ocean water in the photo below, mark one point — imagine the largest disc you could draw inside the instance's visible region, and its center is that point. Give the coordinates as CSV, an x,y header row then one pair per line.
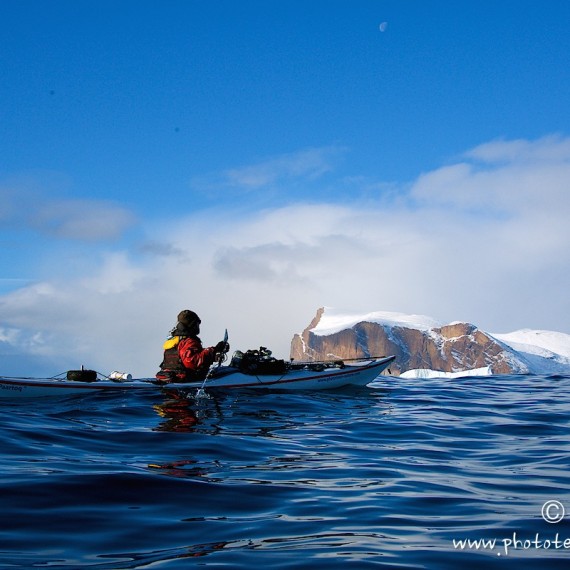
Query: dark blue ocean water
x,y
392,476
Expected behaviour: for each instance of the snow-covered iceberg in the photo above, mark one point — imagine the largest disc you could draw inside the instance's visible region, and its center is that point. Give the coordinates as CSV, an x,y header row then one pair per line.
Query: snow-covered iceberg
x,y
425,347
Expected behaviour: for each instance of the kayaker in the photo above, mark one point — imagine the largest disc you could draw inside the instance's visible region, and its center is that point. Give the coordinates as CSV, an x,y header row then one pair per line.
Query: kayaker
x,y
185,359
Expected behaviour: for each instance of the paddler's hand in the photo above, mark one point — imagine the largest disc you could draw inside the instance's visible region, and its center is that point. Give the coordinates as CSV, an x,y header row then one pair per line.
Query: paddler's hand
x,y
222,347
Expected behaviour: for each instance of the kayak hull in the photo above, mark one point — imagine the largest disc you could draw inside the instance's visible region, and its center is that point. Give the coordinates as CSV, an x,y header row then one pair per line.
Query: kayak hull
x,y
224,378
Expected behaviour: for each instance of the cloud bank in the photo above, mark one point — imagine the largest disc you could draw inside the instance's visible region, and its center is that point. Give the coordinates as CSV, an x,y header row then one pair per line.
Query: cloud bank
x,y
483,239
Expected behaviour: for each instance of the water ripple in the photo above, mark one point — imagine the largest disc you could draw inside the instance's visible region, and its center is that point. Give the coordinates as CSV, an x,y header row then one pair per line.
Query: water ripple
x,y
387,476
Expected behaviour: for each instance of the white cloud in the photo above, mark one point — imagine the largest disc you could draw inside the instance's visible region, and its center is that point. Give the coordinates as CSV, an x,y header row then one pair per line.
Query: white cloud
x,y
310,163
552,148
490,245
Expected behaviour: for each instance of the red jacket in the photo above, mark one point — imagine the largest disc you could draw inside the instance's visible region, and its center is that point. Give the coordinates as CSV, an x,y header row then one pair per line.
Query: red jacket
x,y
185,360
194,356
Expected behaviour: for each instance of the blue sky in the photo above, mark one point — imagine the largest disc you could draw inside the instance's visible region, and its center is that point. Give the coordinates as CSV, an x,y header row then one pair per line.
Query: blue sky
x,y
255,160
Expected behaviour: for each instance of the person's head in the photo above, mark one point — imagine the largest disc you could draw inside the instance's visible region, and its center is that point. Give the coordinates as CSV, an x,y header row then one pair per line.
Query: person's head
x,y
190,321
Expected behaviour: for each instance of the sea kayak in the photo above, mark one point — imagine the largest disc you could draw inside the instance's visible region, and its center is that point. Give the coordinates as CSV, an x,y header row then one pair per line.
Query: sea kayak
x,y
300,376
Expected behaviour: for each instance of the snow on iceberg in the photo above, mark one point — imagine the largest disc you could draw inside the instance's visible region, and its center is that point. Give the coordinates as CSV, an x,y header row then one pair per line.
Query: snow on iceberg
x,y
332,322
424,373
540,343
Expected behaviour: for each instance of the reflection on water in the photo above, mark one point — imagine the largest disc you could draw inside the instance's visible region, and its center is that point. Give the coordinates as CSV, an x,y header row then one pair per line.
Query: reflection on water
x,y
177,413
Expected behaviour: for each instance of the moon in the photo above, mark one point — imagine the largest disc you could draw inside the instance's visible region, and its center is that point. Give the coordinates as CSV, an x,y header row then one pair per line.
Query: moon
x,y
382,27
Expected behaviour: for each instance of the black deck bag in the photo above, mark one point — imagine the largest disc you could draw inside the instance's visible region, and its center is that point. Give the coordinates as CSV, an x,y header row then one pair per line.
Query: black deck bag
x,y
82,375
258,362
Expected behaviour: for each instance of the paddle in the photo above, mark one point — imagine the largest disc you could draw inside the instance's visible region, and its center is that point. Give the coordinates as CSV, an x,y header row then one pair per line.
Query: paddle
x,y
213,368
